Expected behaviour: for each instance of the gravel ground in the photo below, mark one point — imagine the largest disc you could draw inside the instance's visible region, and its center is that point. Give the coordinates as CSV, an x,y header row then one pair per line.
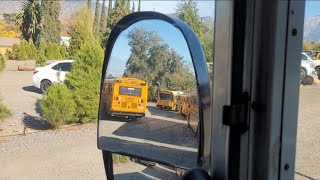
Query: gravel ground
x,y
73,153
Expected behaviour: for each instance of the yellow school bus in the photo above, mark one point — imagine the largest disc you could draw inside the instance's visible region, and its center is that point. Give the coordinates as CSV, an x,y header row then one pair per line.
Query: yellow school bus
x,y
126,97
188,106
193,111
168,99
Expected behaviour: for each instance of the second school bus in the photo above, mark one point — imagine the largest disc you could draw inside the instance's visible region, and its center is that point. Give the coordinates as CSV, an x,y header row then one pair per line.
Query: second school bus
x,y
168,99
125,97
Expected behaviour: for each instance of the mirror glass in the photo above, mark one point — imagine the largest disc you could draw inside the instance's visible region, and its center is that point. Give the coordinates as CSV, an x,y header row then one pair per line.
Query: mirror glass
x,y
149,100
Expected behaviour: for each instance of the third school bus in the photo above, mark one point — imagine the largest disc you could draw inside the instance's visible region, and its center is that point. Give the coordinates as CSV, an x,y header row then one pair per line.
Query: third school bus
x,y
188,105
125,97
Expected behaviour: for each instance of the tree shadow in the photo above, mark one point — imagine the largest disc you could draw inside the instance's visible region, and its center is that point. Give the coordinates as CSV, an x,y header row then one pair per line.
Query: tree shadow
x,y
35,122
164,113
38,107
32,89
305,176
154,172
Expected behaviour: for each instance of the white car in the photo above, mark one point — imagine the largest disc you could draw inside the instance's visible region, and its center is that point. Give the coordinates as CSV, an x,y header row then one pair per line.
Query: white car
x,y
43,77
307,70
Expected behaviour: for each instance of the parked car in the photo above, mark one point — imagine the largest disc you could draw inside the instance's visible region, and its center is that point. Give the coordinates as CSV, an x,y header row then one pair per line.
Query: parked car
x,y
43,77
307,69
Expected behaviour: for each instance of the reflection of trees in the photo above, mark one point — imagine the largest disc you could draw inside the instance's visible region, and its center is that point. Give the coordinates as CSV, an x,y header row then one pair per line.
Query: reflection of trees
x,y
153,61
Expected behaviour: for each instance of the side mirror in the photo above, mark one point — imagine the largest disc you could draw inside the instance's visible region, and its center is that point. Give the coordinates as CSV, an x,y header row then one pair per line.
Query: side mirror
x,y
146,49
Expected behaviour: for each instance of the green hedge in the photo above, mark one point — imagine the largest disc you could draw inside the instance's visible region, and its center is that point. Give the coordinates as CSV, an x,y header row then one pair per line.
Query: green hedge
x,y
2,63
28,51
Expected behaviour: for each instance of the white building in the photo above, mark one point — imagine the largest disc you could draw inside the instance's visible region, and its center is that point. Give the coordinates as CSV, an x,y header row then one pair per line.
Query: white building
x,y
65,40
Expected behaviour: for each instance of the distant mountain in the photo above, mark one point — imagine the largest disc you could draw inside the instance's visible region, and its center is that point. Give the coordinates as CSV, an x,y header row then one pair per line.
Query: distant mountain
x,y
68,7
312,28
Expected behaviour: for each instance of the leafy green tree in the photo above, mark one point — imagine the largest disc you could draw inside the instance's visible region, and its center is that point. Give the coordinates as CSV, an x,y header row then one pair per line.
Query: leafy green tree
x,y
58,106
208,44
51,26
153,61
30,19
96,20
81,32
188,12
119,11
103,18
84,80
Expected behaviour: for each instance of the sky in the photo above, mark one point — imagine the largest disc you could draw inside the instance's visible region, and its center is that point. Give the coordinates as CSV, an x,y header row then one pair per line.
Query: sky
x,y
312,8
170,35
206,7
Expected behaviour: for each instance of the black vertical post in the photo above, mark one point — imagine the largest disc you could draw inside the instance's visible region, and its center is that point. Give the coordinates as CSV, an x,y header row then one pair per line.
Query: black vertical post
x,y
239,20
108,164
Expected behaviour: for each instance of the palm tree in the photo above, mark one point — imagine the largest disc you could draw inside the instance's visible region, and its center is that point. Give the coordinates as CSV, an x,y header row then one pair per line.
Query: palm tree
x,y
30,20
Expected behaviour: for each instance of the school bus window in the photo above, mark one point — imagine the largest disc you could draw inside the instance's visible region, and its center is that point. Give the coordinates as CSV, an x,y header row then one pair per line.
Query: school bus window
x,y
167,97
130,91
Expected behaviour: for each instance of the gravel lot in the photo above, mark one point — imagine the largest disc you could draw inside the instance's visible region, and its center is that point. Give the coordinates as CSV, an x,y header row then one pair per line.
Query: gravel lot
x,y
72,153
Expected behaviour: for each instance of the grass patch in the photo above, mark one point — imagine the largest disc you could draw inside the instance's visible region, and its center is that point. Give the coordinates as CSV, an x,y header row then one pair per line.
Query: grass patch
x,y
4,111
117,158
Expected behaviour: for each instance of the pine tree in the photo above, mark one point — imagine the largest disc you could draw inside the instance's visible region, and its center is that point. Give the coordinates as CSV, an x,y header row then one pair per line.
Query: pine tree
x,y
128,5
118,12
109,7
103,18
50,10
96,20
139,6
89,4
81,32
133,8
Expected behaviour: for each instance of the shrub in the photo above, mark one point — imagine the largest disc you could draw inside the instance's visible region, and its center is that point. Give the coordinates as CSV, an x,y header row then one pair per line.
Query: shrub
x,y
24,51
84,80
4,111
58,106
2,62
53,51
117,158
41,57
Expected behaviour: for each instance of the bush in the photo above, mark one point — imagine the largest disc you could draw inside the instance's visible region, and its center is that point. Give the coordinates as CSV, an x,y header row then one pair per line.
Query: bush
x,y
41,57
24,51
84,80
117,158
53,52
2,62
4,111
58,106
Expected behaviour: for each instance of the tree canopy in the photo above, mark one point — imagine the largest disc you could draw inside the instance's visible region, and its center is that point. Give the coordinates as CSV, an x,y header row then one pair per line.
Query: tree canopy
x,y
153,61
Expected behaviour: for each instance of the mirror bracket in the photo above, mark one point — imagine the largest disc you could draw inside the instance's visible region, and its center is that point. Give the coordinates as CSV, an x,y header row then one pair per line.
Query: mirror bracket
x,y
108,164
235,115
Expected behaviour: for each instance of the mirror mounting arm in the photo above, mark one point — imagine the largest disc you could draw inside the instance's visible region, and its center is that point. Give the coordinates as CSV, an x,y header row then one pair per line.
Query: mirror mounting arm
x,y
108,164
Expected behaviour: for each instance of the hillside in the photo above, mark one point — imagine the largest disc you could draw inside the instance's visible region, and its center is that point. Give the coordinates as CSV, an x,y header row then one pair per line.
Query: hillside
x,y
312,28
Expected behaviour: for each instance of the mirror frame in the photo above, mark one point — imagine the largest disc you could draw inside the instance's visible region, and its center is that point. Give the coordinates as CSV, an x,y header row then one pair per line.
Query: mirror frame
x,y
199,64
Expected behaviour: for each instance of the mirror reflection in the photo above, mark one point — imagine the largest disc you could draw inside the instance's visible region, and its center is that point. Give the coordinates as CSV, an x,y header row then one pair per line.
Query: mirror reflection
x,y
149,101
